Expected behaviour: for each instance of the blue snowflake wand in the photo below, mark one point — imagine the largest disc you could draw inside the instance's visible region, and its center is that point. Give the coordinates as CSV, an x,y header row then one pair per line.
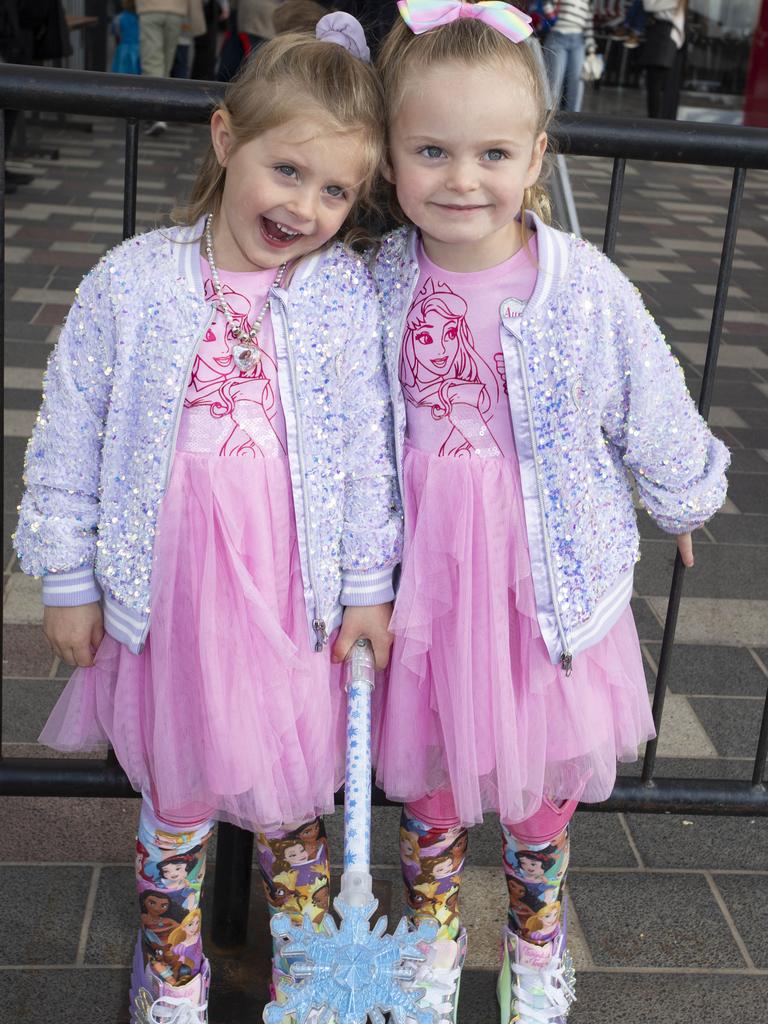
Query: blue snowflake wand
x,y
353,973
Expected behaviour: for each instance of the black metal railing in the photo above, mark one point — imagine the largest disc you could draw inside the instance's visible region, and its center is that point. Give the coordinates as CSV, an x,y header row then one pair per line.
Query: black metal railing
x,y
133,99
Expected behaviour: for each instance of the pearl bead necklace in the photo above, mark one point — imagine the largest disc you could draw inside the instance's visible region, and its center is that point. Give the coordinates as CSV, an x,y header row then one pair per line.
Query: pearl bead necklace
x,y
246,351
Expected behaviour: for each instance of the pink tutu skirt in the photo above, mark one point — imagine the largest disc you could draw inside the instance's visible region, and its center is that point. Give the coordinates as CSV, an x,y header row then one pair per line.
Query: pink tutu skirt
x,y
228,711
473,702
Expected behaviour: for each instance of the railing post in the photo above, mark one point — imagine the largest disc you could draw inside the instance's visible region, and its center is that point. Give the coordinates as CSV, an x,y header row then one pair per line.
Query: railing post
x,y
232,886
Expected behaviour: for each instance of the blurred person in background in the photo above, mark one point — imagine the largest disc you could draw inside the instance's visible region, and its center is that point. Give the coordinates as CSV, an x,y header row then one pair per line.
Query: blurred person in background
x,y
569,39
250,25
663,55
215,12
125,28
160,24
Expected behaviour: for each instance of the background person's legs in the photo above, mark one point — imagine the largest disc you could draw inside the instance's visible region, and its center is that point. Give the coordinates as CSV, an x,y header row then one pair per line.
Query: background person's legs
x,y
555,58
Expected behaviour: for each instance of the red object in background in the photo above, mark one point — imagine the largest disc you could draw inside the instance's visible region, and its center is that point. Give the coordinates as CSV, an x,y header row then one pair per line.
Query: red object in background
x,y
756,92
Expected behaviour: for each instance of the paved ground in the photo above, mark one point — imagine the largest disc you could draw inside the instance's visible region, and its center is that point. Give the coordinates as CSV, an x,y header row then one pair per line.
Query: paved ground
x,y
669,922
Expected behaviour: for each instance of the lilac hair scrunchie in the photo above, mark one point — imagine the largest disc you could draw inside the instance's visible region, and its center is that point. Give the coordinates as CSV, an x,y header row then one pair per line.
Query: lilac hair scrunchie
x,y
341,28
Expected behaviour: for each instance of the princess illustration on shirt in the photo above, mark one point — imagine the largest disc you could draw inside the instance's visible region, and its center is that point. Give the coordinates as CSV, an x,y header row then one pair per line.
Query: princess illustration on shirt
x,y
245,403
440,370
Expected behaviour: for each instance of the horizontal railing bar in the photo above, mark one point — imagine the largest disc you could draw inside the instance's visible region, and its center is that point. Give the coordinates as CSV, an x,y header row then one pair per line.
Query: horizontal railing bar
x,y
50,776
68,91
686,796
63,90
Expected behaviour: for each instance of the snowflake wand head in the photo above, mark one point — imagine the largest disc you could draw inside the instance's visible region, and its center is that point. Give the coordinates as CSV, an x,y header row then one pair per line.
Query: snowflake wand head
x,y
353,972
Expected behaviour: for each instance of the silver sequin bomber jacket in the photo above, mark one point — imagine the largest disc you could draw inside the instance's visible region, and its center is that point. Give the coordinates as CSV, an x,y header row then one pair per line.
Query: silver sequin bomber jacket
x,y
594,391
100,455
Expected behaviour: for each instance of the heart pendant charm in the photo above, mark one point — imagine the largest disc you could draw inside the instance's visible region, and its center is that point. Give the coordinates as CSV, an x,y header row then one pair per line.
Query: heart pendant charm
x,y
246,357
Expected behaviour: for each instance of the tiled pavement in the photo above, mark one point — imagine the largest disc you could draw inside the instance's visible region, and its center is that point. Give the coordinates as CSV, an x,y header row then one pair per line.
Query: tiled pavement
x,y
670,913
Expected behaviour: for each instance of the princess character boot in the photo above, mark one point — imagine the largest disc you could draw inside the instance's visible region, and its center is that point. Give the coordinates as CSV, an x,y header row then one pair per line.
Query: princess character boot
x,y
536,982
433,848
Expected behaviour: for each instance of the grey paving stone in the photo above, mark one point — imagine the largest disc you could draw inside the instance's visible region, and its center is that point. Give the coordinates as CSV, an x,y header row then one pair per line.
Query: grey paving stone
x,y
749,491
751,416
707,841
42,913
598,840
667,999
70,829
73,996
22,330
115,918
750,437
9,525
749,528
747,901
703,768
747,461
26,706
648,626
732,725
712,669
641,920
731,373
21,398
738,395
721,570
650,531
14,448
27,353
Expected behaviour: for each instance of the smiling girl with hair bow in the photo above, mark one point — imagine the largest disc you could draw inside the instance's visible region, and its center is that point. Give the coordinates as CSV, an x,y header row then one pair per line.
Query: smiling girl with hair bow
x,y
211,496
527,378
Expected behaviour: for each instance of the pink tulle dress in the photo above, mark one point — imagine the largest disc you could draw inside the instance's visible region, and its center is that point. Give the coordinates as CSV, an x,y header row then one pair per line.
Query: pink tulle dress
x,y
473,701
227,712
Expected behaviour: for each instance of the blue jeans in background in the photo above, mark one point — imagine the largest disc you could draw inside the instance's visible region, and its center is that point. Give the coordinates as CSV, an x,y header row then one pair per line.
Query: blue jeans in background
x,y
564,56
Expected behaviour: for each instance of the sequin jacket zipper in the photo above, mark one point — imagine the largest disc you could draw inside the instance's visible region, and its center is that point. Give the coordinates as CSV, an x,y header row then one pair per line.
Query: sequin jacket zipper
x,y
566,657
318,623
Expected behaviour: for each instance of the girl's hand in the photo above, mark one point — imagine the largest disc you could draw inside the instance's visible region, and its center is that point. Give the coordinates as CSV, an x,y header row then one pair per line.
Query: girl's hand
x,y
74,633
371,622
685,547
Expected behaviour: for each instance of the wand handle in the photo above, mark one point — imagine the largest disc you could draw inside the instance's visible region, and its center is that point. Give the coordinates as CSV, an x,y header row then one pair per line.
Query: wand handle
x,y
356,887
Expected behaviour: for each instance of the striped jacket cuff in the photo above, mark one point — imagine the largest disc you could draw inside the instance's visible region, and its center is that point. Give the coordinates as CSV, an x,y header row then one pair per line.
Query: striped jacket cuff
x,y
67,589
372,586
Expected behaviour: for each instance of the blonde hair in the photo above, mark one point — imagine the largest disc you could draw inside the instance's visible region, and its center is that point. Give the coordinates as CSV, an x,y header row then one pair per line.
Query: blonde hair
x,y
180,932
473,43
292,76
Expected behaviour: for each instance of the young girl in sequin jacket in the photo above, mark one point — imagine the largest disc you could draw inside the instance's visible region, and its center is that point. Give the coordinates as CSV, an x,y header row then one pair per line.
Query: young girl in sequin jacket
x,y
527,378
217,501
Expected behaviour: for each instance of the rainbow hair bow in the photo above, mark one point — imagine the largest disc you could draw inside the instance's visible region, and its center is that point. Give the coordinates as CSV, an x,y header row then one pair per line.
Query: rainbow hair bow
x,y
425,15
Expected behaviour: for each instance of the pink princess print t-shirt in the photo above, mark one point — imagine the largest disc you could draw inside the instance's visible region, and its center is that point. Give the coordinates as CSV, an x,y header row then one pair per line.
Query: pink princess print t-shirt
x,y
451,364
228,411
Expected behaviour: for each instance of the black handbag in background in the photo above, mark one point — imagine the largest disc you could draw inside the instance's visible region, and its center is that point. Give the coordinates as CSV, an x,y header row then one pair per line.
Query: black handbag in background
x,y
47,23
659,49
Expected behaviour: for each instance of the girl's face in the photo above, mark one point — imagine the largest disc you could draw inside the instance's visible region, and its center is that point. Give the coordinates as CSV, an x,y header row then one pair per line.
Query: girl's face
x,y
174,874
310,832
462,152
549,917
532,869
286,192
443,868
193,927
436,344
296,854
406,847
156,906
